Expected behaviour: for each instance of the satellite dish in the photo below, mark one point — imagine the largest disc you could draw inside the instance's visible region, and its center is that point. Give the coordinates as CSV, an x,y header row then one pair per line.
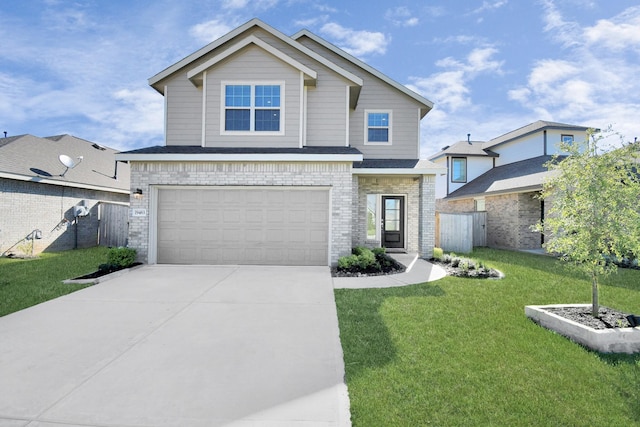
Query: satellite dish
x,y
68,162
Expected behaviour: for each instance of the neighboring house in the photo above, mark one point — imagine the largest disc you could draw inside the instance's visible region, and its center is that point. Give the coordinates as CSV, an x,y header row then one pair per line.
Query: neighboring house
x,y
503,177
281,150
45,206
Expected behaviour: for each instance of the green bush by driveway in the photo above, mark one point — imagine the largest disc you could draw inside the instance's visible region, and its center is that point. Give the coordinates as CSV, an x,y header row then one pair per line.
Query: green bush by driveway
x,y
27,282
460,351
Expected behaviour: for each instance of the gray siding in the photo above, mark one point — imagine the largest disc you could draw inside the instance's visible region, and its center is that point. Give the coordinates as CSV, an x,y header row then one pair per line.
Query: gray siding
x,y
326,103
184,112
252,64
327,112
377,95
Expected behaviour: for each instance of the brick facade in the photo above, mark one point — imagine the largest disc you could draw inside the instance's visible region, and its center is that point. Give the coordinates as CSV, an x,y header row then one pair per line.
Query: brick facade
x,y
389,186
337,175
420,209
348,196
27,206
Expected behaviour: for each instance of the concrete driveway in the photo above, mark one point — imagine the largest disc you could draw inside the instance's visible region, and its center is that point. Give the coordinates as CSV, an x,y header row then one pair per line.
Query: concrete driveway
x,y
179,346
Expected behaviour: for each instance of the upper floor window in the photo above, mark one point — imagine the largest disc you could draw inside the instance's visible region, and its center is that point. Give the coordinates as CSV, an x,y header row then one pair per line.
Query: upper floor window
x,y
567,139
459,169
377,127
252,108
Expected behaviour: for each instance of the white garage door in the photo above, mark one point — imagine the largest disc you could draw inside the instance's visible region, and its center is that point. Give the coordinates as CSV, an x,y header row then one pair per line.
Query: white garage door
x,y
243,225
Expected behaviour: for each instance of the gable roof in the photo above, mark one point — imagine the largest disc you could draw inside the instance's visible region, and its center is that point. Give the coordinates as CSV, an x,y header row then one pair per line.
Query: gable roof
x,y
480,148
156,79
31,158
523,176
427,105
529,129
464,148
195,75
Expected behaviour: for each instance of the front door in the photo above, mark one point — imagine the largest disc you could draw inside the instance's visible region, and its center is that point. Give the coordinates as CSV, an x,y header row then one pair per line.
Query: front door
x,y
393,221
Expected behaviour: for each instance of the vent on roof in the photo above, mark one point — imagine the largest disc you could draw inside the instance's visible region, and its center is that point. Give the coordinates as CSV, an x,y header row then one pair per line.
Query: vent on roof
x,y
445,147
98,147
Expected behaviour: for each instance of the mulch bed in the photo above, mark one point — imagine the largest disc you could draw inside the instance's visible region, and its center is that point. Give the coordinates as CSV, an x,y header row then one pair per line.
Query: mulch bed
x,y
393,267
609,318
104,272
459,272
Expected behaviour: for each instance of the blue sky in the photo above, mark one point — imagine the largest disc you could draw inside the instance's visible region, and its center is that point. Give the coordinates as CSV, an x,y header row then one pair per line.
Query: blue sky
x,y
490,66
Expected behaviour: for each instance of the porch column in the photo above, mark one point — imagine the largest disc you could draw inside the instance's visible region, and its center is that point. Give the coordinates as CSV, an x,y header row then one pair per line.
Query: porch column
x,y
427,215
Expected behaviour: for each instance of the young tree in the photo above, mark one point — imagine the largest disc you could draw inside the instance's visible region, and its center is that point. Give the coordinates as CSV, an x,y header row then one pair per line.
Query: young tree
x,y
594,198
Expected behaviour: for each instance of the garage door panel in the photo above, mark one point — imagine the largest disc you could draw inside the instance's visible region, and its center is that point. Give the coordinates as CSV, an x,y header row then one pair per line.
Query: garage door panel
x,y
242,225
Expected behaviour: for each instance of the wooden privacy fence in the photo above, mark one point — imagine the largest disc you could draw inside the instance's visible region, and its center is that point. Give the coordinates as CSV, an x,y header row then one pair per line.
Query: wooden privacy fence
x,y
113,224
461,232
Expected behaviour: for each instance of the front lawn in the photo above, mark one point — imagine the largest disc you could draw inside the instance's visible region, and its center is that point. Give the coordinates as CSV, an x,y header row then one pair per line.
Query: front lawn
x,y
27,282
460,351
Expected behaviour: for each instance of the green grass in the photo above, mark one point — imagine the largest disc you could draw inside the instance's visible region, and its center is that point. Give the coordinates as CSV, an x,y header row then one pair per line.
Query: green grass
x,y
461,351
27,282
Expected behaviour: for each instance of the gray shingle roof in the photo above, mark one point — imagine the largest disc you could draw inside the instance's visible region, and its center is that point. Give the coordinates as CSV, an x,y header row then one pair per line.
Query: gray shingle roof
x,y
526,175
196,149
33,158
463,148
530,128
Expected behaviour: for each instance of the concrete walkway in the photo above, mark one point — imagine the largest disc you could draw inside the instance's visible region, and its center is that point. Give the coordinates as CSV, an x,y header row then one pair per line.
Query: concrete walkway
x,y
418,271
179,346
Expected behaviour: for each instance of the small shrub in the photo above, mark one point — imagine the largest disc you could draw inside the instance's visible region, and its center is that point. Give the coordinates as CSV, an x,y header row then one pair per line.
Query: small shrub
x,y
438,253
379,252
121,257
455,261
446,258
348,262
367,260
464,265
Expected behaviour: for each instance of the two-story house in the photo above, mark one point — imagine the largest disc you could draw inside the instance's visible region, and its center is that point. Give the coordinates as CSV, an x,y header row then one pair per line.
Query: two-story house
x,y
281,150
503,177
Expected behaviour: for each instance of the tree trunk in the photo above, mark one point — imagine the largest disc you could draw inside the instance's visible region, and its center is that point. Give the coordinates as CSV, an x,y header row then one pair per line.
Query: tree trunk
x,y
595,304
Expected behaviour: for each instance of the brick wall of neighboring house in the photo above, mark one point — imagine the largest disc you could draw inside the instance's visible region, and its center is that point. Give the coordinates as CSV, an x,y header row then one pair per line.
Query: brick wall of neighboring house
x,y
454,206
337,175
509,218
408,187
27,206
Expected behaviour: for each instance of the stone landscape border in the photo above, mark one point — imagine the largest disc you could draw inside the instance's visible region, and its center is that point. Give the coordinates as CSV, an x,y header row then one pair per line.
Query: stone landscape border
x,y
104,278
613,340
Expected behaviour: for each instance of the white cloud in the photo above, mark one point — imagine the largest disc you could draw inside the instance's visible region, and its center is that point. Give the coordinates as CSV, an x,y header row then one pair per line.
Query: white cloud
x,y
311,22
450,89
401,16
486,5
447,89
595,82
206,32
357,43
234,4
619,33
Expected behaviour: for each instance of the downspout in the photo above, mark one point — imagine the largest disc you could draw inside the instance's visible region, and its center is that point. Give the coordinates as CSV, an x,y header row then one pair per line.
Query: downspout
x,y
545,142
448,174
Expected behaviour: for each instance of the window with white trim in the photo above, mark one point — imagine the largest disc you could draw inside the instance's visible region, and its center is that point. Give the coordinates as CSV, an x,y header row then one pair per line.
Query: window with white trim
x,y
459,169
567,139
372,217
252,108
377,127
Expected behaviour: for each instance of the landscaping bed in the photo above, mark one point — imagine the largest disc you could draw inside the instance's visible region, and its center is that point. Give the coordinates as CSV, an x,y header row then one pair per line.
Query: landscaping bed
x,y
609,318
367,262
463,267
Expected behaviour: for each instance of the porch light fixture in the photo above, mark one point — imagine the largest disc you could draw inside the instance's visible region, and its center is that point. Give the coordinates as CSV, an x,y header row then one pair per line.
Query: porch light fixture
x,y
138,193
